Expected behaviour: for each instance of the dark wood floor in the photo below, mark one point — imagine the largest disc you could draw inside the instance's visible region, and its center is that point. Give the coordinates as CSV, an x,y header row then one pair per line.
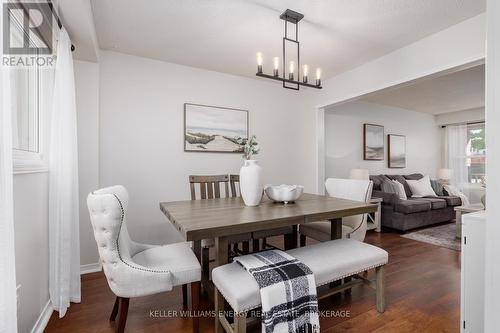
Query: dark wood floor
x,y
422,293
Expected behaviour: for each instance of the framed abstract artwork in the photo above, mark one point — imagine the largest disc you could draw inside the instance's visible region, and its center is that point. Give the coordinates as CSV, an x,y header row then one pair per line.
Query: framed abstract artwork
x,y
373,142
214,129
397,151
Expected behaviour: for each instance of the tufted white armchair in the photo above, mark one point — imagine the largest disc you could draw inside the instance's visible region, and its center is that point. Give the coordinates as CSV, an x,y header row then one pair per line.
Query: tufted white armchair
x,y
352,226
133,269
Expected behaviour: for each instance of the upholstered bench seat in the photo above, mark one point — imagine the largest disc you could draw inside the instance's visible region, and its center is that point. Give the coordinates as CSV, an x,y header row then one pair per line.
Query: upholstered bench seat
x,y
329,261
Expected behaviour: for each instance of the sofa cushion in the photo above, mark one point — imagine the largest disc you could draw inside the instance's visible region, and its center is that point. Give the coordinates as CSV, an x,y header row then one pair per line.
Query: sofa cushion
x,y
414,176
329,261
451,200
412,206
377,181
435,202
402,180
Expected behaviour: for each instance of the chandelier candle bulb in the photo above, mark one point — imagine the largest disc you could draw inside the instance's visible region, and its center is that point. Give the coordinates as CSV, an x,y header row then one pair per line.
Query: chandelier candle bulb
x,y
306,72
292,68
276,61
259,62
318,77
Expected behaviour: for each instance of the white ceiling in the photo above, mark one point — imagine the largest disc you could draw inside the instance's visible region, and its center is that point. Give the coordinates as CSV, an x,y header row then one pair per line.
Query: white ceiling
x,y
225,35
457,91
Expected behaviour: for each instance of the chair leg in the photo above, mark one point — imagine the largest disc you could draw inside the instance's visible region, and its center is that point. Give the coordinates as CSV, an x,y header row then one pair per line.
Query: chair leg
x,y
246,247
303,240
255,245
122,319
195,306
240,323
184,295
115,309
264,243
380,289
205,262
286,242
219,310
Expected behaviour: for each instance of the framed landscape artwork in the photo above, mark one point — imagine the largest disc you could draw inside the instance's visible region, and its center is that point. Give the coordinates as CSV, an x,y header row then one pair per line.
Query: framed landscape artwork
x,y
397,151
213,128
373,142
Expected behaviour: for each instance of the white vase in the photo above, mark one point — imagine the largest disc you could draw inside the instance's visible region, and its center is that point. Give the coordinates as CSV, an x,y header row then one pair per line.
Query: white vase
x,y
251,183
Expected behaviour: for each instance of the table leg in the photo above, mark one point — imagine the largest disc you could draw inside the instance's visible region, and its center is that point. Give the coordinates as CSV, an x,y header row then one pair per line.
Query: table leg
x,y
336,229
378,218
458,223
221,252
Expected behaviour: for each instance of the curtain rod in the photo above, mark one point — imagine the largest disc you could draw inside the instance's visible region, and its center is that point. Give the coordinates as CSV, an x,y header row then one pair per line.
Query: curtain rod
x,y
59,23
466,123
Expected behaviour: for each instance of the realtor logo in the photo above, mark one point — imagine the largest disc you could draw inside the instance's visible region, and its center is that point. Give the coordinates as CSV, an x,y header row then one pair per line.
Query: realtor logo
x,y
27,34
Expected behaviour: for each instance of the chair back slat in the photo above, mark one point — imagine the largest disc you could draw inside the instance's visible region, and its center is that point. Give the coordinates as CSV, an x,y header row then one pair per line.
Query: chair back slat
x,y
193,193
210,190
217,189
234,180
209,186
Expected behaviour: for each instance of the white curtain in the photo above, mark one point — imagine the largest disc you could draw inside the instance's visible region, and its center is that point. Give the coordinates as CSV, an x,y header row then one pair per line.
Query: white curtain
x,y
8,301
457,159
64,242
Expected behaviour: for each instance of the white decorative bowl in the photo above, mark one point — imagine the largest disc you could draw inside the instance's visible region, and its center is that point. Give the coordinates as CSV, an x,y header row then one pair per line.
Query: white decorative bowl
x,y
283,193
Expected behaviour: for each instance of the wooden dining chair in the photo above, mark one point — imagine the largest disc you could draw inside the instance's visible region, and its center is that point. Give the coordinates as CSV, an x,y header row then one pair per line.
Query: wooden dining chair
x,y
210,188
257,237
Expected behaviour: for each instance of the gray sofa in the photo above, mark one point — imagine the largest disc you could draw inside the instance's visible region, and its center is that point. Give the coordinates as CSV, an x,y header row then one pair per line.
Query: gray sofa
x,y
413,213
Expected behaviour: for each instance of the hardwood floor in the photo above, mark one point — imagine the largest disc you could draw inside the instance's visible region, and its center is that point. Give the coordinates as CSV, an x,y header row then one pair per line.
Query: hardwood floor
x,y
422,295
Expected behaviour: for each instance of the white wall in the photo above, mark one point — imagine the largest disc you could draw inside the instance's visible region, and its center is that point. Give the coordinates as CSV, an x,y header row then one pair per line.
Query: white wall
x,y
344,139
465,116
32,250
87,106
141,133
492,287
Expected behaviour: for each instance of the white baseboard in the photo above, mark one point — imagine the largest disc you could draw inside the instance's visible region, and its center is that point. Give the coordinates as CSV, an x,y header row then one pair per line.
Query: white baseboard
x,y
90,268
43,319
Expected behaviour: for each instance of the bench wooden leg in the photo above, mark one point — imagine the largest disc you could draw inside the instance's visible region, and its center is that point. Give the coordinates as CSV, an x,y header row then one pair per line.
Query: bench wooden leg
x,y
347,291
240,323
380,283
219,310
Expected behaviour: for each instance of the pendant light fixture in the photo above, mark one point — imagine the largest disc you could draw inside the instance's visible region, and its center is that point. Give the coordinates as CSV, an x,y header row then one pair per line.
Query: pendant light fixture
x,y
293,78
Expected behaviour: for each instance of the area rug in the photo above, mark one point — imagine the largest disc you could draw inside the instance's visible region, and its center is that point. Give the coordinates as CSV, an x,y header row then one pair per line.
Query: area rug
x,y
443,235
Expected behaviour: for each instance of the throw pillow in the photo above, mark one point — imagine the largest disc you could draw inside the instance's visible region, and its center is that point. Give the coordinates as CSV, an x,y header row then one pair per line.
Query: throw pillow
x,y
437,187
421,188
400,190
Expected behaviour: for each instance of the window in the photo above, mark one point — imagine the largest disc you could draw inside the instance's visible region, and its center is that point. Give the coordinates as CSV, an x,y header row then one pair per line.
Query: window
x,y
476,152
28,104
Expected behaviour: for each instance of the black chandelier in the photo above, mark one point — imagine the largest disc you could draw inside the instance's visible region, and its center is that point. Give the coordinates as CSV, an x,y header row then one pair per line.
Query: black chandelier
x,y
290,17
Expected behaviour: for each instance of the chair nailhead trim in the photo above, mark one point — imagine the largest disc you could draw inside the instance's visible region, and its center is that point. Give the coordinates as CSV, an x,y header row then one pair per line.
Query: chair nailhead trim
x,y
118,245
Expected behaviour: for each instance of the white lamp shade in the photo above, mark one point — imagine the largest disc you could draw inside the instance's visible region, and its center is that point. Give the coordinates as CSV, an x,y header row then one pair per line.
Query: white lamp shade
x,y
445,174
361,174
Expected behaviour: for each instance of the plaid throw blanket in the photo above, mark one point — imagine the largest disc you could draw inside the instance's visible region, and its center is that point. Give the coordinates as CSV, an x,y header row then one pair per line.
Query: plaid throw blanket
x,y
287,291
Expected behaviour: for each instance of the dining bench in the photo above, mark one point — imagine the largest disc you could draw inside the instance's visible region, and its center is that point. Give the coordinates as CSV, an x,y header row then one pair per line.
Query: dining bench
x,y
329,261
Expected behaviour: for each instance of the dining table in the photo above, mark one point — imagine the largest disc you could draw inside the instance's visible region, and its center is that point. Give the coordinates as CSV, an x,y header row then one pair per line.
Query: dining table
x,y
221,218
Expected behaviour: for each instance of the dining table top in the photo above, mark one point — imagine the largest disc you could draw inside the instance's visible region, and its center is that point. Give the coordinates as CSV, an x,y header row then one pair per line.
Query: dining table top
x,y
211,218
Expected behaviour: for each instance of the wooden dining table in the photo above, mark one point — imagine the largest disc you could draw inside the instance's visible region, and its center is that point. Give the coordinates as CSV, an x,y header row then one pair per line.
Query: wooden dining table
x,y
221,218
